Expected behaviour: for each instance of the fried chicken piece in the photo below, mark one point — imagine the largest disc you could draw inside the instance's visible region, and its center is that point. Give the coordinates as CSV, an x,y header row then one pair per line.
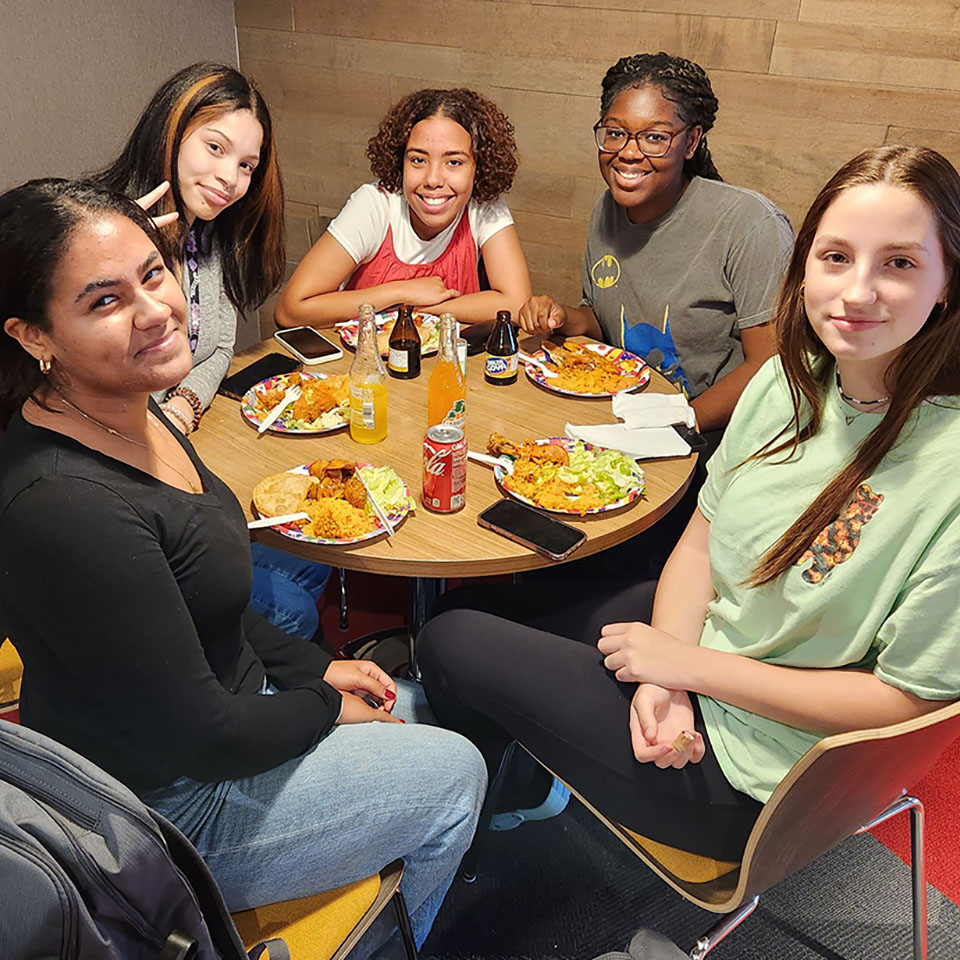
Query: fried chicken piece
x,y
326,488
314,401
544,453
355,493
269,398
331,487
336,469
498,444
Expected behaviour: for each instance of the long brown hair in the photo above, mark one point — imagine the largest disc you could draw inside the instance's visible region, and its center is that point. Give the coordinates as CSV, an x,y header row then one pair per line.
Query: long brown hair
x,y
928,365
250,233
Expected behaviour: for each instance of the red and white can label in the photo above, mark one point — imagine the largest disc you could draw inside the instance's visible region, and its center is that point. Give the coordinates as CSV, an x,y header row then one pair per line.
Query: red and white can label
x,y
444,469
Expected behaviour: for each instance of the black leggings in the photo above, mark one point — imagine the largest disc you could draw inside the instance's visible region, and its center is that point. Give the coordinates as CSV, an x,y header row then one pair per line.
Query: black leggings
x,y
534,674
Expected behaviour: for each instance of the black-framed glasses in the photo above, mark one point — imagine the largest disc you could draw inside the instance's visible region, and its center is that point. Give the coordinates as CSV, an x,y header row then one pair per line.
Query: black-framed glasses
x,y
651,143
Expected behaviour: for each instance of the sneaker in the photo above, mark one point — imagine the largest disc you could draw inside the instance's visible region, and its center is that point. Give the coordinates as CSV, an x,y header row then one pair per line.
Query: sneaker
x,y
555,803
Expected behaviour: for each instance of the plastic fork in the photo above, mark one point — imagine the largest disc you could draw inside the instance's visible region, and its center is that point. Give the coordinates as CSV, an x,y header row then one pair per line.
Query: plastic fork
x,y
527,358
503,462
290,396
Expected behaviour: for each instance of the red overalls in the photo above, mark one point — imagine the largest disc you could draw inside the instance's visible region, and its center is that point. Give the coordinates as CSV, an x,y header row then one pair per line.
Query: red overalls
x,y
456,266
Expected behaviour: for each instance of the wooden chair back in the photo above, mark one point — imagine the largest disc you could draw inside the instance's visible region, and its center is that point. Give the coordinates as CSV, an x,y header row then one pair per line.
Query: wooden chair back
x,y
840,784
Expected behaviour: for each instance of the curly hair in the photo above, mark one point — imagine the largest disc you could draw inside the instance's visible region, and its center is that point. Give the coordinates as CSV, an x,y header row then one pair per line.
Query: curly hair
x,y
491,134
681,81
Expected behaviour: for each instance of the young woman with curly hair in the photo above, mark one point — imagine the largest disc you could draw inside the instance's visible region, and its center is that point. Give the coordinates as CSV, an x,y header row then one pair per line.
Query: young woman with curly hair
x,y
442,159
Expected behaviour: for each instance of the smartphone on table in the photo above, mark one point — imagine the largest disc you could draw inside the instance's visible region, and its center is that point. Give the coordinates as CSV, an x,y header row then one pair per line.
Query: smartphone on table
x,y
272,365
522,524
308,345
696,440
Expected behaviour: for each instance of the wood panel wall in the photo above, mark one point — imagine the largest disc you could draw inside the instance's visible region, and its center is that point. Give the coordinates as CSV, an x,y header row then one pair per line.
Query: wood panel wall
x,y
803,85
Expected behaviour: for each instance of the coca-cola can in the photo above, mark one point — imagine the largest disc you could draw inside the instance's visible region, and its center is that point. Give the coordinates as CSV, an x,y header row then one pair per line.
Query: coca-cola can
x,y
444,469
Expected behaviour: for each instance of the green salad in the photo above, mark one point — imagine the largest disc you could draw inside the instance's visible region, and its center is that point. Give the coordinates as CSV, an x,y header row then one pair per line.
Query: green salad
x,y
387,488
613,473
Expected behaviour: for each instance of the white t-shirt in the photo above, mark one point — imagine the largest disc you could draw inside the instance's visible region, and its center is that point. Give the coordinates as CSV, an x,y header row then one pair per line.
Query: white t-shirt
x,y
361,226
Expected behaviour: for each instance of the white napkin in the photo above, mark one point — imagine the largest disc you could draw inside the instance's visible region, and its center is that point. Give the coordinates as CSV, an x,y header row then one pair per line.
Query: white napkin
x,y
642,410
644,444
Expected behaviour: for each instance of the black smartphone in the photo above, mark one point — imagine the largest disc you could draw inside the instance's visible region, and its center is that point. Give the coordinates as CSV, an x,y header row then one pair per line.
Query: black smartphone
x,y
522,524
272,365
308,345
695,439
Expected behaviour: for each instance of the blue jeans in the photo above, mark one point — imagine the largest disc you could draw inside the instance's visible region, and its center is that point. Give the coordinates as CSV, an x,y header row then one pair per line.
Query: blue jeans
x,y
365,795
286,589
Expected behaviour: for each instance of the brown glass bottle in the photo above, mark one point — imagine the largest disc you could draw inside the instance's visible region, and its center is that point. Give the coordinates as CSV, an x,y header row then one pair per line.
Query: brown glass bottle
x,y
502,348
404,361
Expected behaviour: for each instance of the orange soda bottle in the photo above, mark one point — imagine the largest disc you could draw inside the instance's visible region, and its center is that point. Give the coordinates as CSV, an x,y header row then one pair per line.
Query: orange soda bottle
x,y
447,390
368,388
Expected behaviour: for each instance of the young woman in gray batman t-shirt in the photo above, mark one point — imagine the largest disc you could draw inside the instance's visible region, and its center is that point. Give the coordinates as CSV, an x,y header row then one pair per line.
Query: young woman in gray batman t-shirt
x,y
679,267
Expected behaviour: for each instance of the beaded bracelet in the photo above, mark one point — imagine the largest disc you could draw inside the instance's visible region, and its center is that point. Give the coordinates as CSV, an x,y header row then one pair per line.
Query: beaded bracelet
x,y
171,411
194,402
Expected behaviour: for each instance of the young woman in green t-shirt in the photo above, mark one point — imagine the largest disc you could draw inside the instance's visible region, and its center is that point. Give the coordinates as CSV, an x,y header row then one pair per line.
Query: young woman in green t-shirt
x,y
813,591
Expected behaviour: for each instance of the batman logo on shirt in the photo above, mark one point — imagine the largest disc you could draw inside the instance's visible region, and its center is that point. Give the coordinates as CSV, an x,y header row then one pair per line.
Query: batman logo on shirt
x,y
605,272
654,342
836,542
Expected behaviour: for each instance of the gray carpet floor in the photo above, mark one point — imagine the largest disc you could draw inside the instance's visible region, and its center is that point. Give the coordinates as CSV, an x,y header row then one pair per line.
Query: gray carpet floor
x,y
566,889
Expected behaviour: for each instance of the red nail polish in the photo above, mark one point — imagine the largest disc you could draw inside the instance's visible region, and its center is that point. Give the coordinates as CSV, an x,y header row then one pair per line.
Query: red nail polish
x,y
401,719
389,695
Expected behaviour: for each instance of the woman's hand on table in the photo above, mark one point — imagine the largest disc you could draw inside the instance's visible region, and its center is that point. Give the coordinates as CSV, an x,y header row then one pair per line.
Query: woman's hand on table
x,y
149,199
542,314
639,653
427,291
360,679
657,717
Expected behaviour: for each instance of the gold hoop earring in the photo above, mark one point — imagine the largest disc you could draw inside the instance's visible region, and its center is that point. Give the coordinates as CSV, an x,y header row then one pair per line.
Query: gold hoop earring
x,y
803,285
46,365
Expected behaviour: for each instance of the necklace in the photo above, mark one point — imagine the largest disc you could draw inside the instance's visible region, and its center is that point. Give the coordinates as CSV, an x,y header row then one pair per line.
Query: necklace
x,y
850,417
863,403
139,443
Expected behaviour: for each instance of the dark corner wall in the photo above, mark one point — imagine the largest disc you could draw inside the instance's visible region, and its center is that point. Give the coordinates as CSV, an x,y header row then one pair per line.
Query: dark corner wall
x,y
75,74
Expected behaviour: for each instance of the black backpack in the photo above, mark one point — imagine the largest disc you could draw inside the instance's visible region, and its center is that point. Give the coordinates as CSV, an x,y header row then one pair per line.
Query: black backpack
x,y
88,872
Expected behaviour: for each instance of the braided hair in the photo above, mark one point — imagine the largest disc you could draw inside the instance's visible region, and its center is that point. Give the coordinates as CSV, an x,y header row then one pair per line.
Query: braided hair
x,y
681,81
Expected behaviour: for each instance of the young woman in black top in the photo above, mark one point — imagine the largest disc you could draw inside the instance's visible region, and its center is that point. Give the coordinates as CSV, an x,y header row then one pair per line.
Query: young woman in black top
x,y
125,583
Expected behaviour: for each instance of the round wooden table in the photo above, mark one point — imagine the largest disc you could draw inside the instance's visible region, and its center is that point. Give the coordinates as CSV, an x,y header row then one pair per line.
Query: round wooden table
x,y
429,544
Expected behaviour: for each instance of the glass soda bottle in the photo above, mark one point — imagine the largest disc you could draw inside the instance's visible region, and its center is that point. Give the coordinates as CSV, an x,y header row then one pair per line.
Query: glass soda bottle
x,y
404,362
368,387
502,350
447,390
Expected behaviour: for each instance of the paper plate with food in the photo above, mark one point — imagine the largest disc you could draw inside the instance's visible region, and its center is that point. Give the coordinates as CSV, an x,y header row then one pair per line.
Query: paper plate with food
x,y
335,497
323,404
588,369
567,476
427,325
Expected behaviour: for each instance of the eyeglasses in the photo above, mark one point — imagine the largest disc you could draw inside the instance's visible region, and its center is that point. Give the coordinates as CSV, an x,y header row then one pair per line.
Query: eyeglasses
x,y
651,143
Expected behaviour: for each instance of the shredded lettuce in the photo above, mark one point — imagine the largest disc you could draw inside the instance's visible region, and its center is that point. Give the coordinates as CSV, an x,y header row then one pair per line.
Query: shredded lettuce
x,y
611,472
387,488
